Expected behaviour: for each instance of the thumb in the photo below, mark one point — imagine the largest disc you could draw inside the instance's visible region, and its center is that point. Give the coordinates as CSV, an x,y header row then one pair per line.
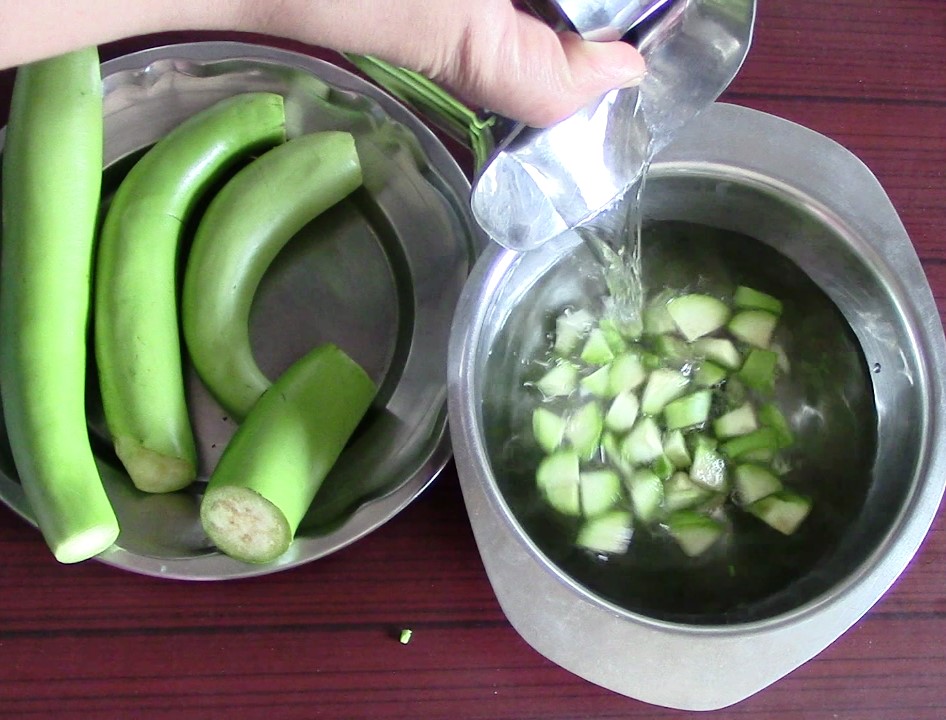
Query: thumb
x,y
527,72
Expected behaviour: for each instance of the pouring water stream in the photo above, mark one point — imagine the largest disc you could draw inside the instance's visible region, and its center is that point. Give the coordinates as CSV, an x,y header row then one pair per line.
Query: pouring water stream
x,y
587,173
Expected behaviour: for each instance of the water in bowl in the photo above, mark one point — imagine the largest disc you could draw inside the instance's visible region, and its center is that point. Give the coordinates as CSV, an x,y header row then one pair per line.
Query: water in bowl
x,y
827,397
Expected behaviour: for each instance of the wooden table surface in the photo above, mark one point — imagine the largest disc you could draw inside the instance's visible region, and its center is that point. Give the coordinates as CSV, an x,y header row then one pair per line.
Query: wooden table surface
x,y
90,641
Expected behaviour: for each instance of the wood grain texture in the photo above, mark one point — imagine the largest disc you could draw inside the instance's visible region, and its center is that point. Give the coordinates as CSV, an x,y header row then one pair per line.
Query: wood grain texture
x,y
319,641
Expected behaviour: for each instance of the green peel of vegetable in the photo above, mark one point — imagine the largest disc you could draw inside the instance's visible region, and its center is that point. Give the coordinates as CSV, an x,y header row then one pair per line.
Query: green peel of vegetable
x,y
52,170
276,461
245,226
137,332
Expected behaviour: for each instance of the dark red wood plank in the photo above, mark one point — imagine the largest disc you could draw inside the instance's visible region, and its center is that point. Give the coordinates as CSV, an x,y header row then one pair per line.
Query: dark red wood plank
x,y
319,641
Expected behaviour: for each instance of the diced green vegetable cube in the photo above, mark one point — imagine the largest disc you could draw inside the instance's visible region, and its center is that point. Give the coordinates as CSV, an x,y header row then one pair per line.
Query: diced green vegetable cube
x,y
612,333
680,492
689,410
754,327
642,444
611,451
784,511
646,491
651,361
627,372
560,380
771,416
609,533
718,350
629,327
754,482
708,468
656,317
762,456
623,412
672,348
570,328
694,532
663,385
598,383
764,438
675,448
758,371
583,429
709,374
599,490
662,467
701,439
740,421
715,502
548,429
752,299
557,478
597,350
696,315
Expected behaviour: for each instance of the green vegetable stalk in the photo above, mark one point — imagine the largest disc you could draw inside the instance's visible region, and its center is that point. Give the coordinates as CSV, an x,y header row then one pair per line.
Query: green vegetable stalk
x,y
137,334
276,461
246,225
52,171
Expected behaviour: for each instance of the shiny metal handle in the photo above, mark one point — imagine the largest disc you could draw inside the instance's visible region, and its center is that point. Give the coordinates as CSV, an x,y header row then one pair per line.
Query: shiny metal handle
x,y
539,183
602,20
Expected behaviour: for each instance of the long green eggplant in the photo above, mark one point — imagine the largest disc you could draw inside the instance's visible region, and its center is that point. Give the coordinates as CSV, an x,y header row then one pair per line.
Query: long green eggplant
x,y
52,172
276,461
137,333
246,225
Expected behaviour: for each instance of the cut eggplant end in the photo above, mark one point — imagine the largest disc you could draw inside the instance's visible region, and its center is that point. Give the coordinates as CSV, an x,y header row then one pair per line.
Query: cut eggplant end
x,y
86,544
152,471
244,525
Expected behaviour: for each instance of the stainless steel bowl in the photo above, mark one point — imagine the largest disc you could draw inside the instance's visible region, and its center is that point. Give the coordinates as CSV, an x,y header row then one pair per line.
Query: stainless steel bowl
x,y
380,275
811,214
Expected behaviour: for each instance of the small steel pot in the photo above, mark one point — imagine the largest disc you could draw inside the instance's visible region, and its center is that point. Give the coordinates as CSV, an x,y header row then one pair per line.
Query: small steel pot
x,y
820,210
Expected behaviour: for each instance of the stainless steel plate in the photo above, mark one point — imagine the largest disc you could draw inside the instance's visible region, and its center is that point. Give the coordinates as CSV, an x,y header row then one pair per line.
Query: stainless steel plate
x,y
379,275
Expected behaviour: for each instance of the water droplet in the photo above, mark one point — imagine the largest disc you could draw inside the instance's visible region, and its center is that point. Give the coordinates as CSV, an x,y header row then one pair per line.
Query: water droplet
x,y
876,368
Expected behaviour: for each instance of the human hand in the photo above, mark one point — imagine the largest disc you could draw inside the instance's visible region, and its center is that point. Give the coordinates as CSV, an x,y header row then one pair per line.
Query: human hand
x,y
487,52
